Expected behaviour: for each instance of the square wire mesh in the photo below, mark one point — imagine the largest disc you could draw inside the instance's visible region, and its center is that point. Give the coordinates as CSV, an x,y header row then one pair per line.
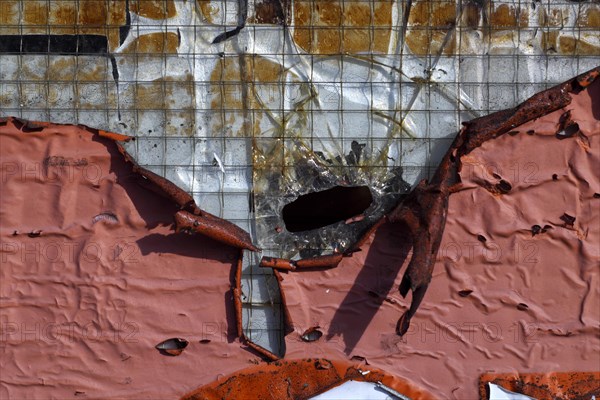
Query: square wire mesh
x,y
399,76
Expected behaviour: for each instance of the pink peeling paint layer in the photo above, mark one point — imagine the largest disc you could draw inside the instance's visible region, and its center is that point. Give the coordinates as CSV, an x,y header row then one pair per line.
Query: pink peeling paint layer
x,y
85,301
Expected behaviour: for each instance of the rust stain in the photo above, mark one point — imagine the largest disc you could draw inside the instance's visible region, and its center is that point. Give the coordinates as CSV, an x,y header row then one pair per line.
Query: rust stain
x,y
551,385
471,15
571,45
208,9
552,18
505,16
154,9
62,69
153,43
590,17
429,23
92,14
271,12
435,14
150,95
63,17
366,26
298,379
35,16
99,72
262,78
549,41
171,93
9,17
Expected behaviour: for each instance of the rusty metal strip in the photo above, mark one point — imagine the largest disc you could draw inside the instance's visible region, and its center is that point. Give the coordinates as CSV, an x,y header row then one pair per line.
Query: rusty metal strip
x,y
326,261
282,264
215,228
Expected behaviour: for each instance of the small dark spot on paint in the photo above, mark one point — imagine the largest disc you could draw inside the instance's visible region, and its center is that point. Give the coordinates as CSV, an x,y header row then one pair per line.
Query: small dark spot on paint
x,y
205,341
34,234
172,347
522,307
481,238
503,186
554,177
465,293
530,132
106,217
311,334
546,227
15,233
572,129
597,195
535,229
568,219
360,358
496,176
513,133
30,126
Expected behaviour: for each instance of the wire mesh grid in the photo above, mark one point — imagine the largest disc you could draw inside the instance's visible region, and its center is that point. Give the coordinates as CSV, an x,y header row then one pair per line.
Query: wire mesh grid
x,y
300,79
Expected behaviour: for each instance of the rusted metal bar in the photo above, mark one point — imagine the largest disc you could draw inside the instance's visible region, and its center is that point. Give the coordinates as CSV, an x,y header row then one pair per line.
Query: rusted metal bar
x,y
282,264
218,229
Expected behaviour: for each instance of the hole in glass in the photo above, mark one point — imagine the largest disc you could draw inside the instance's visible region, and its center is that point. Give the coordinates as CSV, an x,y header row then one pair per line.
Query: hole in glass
x,y
319,209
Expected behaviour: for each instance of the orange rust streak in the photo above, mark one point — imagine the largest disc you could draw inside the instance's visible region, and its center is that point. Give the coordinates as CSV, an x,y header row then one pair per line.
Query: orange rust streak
x,y
551,385
215,228
319,262
277,263
299,379
117,137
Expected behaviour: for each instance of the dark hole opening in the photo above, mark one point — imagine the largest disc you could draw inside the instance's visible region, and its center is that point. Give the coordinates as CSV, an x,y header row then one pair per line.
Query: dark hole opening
x,y
319,209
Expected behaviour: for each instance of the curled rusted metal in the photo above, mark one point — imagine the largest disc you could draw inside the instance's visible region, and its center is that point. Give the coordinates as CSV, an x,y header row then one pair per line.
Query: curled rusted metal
x,y
301,379
426,208
215,228
281,264
237,295
326,261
